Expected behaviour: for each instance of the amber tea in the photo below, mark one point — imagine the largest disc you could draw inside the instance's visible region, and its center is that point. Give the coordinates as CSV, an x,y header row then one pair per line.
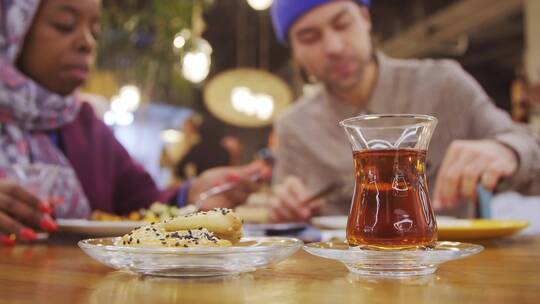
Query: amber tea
x,y
391,207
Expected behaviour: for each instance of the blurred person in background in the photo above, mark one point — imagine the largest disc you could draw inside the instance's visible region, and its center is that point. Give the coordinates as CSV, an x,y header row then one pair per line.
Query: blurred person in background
x,y
475,143
211,149
47,50
202,147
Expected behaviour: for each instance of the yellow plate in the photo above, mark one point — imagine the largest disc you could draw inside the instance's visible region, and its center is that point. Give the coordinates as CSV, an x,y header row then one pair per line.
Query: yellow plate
x,y
458,229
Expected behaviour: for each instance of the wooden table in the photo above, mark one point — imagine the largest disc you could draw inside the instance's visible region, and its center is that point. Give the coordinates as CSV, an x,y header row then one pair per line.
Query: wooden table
x,y
508,271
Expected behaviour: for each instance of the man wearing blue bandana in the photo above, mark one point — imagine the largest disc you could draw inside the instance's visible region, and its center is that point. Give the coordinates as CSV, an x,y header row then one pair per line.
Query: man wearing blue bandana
x,y
475,143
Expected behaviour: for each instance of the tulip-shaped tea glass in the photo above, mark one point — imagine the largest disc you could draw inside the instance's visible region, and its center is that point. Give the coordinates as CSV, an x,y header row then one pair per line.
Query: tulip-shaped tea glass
x,y
390,207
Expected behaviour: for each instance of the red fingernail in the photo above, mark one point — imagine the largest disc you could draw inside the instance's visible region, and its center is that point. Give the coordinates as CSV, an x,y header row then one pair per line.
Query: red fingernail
x,y
7,240
45,208
233,177
57,200
48,225
28,234
255,164
266,173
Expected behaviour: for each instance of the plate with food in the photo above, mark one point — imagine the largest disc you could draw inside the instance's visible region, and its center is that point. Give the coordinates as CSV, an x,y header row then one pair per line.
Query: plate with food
x,y
449,228
274,228
330,222
477,229
340,221
96,228
102,224
206,243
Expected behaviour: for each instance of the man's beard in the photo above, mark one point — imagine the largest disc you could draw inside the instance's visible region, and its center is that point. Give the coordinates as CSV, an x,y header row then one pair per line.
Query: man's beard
x,y
349,83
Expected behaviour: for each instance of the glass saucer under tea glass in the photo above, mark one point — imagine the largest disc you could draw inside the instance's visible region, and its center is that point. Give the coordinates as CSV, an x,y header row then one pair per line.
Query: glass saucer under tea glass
x,y
248,255
392,263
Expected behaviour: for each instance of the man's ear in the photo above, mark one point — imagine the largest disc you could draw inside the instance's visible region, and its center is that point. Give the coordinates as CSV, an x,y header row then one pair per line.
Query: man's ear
x,y
302,73
364,12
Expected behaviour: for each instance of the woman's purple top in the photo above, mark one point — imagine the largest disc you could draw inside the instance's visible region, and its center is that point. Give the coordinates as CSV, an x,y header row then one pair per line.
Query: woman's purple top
x,y
111,179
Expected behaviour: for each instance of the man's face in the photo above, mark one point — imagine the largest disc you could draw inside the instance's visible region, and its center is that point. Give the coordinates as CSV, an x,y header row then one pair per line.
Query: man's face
x,y
332,42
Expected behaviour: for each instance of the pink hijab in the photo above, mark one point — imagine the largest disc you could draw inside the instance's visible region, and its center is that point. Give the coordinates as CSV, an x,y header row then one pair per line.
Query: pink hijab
x,y
28,112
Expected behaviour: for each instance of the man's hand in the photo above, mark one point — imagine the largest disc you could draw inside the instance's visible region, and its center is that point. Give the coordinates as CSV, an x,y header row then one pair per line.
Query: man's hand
x,y
242,176
290,202
467,164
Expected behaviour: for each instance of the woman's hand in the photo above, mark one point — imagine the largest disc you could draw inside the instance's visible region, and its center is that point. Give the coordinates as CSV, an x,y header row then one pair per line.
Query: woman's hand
x,y
21,213
247,179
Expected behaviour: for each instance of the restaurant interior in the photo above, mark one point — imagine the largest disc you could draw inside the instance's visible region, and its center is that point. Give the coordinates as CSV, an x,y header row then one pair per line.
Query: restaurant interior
x,y
230,166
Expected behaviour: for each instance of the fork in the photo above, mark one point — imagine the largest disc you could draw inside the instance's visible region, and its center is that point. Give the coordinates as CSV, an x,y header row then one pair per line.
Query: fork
x,y
219,189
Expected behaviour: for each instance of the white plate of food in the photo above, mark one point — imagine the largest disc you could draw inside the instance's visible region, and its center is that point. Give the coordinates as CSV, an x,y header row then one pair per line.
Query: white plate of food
x,y
96,228
102,224
274,228
330,222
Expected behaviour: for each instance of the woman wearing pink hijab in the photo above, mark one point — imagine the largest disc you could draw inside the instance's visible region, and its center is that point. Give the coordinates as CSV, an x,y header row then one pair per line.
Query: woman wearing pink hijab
x,y
46,51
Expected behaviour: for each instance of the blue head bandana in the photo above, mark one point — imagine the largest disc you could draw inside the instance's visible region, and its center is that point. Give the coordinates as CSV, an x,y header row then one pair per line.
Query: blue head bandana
x,y
286,12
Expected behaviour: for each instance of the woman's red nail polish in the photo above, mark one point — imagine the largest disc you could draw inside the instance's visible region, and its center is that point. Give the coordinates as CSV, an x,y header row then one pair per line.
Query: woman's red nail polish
x,y
28,234
48,225
7,240
267,173
56,201
233,177
45,208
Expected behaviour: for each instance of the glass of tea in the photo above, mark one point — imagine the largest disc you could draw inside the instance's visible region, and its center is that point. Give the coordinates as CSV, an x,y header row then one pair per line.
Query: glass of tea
x,y
390,206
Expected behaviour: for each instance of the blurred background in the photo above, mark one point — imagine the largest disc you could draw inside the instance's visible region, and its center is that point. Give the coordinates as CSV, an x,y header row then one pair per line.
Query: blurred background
x,y
191,84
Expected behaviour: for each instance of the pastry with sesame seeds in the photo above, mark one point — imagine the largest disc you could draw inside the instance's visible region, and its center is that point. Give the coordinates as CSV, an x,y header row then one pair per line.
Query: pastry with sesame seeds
x,y
223,222
217,227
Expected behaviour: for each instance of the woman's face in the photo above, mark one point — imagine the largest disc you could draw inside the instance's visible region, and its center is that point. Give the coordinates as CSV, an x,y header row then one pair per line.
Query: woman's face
x,y
60,46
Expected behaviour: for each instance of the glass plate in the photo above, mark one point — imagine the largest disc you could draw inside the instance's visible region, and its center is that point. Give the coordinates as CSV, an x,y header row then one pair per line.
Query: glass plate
x,y
246,256
392,262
